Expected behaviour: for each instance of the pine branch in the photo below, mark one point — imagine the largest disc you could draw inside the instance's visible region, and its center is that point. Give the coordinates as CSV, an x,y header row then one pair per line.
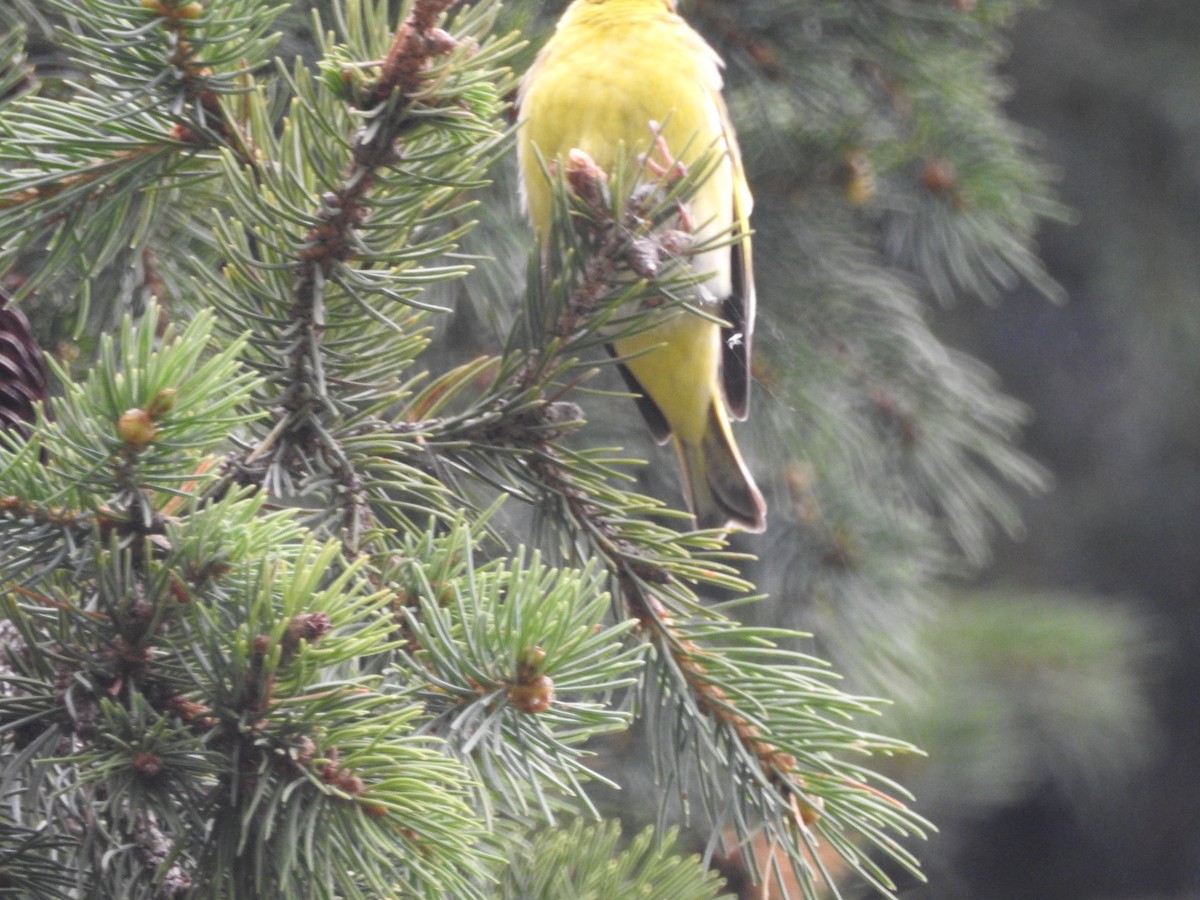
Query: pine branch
x,y
311,290
332,240
71,169
747,732
593,861
517,666
304,403
779,777
925,151
29,864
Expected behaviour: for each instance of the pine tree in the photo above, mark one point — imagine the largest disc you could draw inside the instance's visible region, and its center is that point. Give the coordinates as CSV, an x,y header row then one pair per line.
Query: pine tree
x,y
317,582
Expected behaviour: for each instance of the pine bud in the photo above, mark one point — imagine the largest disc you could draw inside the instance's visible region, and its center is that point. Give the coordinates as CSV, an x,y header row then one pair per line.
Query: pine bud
x,y
586,179
534,696
857,178
161,404
811,809
559,418
147,765
675,241
529,661
189,710
169,10
784,762
938,177
349,782
343,779
136,428
642,257
310,627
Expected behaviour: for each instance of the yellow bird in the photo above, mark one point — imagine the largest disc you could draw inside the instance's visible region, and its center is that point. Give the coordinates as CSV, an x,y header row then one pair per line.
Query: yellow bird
x,y
612,71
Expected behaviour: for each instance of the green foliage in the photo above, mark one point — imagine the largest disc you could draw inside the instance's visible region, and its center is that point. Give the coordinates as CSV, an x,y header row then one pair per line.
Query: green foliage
x,y
28,865
213,694
1043,688
272,625
588,862
14,78
186,405
495,645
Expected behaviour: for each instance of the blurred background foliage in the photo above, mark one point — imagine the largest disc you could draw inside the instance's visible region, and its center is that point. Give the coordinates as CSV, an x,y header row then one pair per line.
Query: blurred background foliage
x,y
1113,86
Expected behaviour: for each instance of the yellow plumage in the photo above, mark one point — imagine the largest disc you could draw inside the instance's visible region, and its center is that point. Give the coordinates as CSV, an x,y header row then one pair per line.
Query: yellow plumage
x,y
611,69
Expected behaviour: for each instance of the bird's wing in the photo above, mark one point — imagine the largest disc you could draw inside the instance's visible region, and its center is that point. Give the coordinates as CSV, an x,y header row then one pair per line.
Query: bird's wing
x,y
739,307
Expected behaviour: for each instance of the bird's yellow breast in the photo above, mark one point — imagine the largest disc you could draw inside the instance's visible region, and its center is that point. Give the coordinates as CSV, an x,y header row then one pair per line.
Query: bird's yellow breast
x,y
610,70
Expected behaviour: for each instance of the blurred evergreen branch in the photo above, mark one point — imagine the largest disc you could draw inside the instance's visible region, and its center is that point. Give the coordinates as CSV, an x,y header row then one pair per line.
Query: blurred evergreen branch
x,y
270,626
588,862
1015,667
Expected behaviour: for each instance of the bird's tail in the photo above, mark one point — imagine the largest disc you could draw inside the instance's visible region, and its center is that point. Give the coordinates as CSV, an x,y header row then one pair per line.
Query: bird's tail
x,y
719,488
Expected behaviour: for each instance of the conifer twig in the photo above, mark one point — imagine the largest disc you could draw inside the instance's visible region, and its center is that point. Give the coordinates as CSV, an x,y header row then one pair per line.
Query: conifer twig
x,y
305,406
615,246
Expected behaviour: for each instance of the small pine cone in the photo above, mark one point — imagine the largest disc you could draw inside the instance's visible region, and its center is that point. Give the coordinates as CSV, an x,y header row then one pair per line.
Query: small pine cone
x,y
559,418
310,627
534,696
136,428
22,370
147,766
642,258
586,179
938,177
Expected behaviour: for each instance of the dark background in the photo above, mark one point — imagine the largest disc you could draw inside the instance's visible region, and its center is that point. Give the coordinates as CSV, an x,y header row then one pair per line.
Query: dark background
x,y
1113,378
